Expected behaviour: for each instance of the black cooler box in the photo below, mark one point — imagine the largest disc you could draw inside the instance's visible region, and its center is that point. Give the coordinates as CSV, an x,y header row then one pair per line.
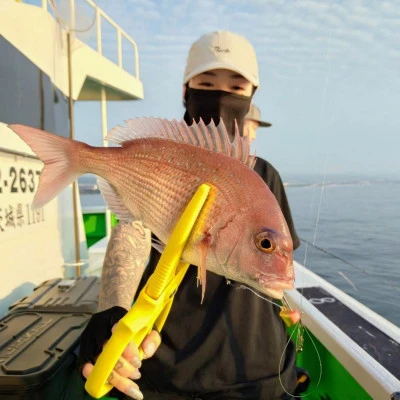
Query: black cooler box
x,y
37,359
39,340
64,295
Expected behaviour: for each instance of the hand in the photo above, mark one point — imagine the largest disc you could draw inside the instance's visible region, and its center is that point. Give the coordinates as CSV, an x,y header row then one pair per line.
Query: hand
x,y
127,367
94,337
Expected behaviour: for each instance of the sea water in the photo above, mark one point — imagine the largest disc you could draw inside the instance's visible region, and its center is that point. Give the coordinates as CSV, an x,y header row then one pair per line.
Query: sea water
x,y
355,226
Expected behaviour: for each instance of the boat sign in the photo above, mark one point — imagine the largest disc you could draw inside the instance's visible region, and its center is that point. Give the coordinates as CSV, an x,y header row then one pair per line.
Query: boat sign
x,y
30,240
19,179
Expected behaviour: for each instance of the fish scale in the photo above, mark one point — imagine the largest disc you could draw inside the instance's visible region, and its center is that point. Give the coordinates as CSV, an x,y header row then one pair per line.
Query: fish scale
x,y
147,194
177,187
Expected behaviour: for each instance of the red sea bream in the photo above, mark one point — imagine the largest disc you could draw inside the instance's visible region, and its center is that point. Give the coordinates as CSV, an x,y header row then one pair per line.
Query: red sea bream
x,y
241,233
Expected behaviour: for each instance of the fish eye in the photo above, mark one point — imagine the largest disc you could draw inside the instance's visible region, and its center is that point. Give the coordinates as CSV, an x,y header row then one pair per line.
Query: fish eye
x,y
265,242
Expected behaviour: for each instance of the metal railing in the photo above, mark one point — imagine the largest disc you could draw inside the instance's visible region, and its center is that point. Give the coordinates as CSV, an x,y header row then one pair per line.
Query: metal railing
x,y
100,15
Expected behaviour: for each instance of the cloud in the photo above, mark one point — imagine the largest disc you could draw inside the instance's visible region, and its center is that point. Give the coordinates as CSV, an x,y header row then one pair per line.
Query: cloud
x,y
291,40
312,6
353,34
363,21
332,20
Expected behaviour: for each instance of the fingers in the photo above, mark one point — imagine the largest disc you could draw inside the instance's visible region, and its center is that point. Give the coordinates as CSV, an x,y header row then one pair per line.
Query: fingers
x,y
123,368
123,384
151,343
128,364
126,369
149,346
87,369
131,352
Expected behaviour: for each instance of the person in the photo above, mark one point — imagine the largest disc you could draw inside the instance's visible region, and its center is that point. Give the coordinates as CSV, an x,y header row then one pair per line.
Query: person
x,y
266,170
252,121
232,346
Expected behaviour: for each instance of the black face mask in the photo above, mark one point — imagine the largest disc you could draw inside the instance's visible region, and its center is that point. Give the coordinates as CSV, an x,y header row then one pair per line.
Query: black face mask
x,y
215,104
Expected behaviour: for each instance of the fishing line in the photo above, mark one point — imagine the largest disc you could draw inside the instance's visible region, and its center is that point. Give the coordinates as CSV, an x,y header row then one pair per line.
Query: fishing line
x,y
325,171
348,280
323,102
300,327
358,268
241,286
324,95
336,256
280,361
337,270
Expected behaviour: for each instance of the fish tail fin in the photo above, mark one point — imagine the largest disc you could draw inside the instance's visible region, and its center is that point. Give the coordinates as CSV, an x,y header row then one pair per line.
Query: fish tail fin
x,y
60,158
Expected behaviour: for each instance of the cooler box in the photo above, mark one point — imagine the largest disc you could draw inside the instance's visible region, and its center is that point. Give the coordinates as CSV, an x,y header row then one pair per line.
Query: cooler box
x,y
37,355
62,295
39,340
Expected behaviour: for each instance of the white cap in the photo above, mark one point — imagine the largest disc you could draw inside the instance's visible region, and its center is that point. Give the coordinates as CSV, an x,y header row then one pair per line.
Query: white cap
x,y
225,50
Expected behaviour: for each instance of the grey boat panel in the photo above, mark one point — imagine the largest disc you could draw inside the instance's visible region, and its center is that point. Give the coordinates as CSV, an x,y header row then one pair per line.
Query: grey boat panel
x,y
28,96
377,344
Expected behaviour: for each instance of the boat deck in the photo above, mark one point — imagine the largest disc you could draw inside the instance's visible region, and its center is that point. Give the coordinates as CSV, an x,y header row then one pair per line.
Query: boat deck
x,y
376,343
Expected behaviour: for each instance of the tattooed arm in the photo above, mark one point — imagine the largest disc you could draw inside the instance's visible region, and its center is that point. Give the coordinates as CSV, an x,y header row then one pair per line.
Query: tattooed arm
x,y
124,263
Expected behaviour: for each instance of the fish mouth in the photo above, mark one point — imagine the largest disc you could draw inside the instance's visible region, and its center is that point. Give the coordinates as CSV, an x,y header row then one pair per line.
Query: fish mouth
x,y
275,294
274,283
275,287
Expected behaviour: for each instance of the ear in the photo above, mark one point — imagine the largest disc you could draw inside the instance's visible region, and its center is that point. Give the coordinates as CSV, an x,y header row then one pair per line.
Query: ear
x,y
183,92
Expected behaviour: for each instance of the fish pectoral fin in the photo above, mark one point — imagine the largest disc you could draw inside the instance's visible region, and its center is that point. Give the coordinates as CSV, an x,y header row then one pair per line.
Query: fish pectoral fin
x,y
158,245
203,247
113,201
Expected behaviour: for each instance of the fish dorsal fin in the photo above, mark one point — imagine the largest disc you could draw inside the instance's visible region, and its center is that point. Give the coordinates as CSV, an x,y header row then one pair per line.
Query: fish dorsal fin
x,y
211,137
252,160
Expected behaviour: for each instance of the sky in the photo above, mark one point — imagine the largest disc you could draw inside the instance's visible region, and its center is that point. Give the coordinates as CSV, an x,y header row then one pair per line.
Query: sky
x,y
329,75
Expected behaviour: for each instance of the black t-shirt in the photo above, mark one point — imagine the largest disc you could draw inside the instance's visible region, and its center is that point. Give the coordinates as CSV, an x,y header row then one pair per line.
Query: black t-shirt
x,y
271,177
229,347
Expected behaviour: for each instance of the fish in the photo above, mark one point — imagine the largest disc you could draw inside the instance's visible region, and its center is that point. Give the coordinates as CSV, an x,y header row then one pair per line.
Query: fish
x,y
152,174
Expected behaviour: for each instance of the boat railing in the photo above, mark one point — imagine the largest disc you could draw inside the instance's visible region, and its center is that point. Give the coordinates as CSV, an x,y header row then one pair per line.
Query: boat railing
x,y
100,16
